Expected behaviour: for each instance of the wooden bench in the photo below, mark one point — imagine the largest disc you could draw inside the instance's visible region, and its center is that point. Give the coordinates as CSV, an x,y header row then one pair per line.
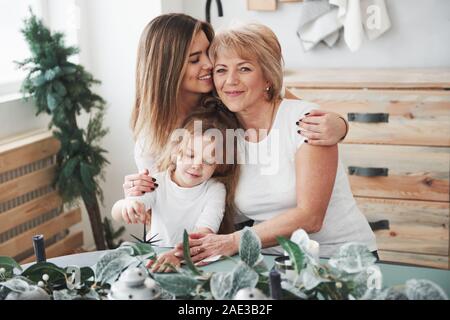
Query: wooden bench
x,y
412,143
29,205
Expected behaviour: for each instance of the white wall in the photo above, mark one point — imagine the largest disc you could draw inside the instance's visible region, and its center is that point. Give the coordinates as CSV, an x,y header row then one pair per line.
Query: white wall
x,y
109,36
419,36
18,116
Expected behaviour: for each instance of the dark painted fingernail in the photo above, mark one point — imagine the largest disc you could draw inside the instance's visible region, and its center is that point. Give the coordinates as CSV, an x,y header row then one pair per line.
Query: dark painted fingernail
x,y
297,123
156,184
298,131
153,179
153,189
142,192
306,114
306,141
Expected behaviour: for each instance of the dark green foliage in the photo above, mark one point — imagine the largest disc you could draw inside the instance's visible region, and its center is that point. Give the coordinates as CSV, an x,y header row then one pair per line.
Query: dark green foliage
x,y
111,235
62,89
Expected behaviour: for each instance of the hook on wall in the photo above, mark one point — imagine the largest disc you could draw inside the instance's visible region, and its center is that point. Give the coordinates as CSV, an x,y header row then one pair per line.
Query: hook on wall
x,y
208,9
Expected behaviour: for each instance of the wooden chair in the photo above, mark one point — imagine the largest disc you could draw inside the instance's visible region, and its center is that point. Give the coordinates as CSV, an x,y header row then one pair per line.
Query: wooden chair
x,y
29,205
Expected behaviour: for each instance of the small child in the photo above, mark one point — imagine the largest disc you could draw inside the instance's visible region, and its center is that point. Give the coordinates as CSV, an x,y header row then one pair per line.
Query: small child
x,y
195,189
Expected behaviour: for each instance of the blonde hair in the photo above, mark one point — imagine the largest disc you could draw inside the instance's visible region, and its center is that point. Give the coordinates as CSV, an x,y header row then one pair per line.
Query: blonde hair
x,y
254,42
213,115
161,62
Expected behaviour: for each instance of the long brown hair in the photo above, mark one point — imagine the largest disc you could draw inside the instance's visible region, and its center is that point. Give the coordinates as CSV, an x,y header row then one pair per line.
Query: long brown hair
x,y
213,115
161,62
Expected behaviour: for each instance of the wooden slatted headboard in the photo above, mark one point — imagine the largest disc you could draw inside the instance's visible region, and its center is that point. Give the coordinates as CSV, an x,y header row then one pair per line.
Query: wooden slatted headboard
x,y
29,204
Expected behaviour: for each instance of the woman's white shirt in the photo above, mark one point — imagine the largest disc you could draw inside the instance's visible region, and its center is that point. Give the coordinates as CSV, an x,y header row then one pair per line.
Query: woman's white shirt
x,y
267,184
175,209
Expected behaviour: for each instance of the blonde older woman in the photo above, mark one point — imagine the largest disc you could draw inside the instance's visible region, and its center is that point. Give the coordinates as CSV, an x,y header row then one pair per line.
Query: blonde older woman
x,y
307,186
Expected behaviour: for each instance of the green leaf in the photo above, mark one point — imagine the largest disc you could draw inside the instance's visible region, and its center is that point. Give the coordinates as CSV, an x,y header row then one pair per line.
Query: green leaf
x,y
249,246
9,264
37,270
86,176
177,284
69,70
39,80
16,285
112,263
69,167
49,75
220,284
296,255
243,277
51,102
59,88
139,249
187,255
226,285
86,273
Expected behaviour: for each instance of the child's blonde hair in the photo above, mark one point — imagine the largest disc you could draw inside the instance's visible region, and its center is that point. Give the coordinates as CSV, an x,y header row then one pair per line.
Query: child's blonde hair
x,y
213,115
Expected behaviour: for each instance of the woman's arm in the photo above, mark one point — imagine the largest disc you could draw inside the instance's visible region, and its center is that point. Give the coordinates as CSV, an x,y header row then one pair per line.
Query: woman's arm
x,y
315,175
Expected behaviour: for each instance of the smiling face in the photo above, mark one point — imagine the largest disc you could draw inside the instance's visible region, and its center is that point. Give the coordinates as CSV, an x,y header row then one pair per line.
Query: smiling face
x,y
197,78
240,82
196,163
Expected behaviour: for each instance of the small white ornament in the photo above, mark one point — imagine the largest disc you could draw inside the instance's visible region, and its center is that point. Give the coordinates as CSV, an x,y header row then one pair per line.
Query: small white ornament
x,y
375,279
45,277
249,294
2,270
301,238
41,284
134,284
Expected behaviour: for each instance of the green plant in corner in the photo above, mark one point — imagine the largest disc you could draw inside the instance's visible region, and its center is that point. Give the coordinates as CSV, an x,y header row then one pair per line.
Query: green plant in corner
x,y
111,234
62,89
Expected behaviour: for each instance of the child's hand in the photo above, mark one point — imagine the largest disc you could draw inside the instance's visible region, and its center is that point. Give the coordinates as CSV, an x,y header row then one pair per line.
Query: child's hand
x,y
322,128
167,262
134,212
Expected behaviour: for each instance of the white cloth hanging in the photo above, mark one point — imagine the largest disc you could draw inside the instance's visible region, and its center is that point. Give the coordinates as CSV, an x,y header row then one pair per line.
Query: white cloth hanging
x,y
349,14
318,22
321,21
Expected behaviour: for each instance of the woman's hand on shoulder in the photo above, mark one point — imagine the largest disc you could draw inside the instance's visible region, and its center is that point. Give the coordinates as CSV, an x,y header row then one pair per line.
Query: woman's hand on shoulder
x,y
137,184
322,128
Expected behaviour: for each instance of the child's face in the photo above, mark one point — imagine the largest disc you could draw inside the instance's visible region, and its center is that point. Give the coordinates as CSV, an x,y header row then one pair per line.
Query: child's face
x,y
197,162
